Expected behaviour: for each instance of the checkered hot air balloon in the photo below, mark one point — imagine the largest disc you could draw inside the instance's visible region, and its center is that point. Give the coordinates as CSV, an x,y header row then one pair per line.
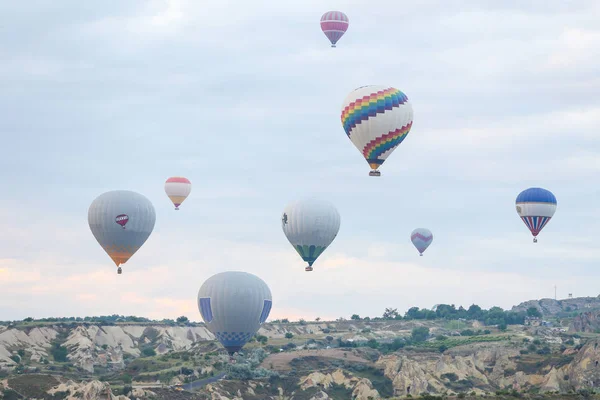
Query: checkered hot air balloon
x,y
376,119
334,24
234,305
536,206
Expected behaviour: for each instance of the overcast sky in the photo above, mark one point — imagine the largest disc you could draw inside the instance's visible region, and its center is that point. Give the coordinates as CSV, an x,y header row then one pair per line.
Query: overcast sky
x,y
244,99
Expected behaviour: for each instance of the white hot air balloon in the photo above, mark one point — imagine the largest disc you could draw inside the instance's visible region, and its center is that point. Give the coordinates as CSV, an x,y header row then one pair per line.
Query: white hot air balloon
x,y
376,119
178,189
310,225
421,239
121,221
233,305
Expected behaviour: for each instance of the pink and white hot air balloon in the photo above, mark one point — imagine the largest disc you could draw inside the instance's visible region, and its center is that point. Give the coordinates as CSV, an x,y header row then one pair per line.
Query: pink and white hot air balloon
x,y
334,24
421,239
178,189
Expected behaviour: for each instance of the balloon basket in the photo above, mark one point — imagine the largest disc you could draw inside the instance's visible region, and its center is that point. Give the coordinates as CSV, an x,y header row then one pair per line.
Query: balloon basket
x,y
534,240
119,271
333,45
176,208
421,254
374,173
308,269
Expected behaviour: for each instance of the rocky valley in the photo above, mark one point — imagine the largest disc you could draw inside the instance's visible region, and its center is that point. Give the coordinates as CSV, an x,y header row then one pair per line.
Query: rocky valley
x,y
553,350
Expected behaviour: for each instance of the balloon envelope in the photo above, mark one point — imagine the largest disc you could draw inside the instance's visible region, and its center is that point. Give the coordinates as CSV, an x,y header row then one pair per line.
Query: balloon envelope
x,y
233,305
121,221
310,225
376,119
536,206
421,239
178,189
334,24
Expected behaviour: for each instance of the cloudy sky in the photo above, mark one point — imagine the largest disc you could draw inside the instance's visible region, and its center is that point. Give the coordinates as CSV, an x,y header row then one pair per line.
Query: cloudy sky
x,y
244,99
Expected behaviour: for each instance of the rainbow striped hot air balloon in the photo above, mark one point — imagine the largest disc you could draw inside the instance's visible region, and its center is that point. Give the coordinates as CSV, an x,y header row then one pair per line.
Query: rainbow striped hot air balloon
x,y
178,189
376,119
334,24
536,206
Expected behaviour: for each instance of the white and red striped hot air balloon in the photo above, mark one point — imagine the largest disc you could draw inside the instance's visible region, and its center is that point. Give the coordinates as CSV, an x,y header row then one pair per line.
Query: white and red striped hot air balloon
x,y
178,189
334,24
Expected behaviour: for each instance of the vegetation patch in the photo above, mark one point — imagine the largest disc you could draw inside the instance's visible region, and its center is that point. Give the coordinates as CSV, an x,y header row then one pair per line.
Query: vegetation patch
x,y
339,392
34,386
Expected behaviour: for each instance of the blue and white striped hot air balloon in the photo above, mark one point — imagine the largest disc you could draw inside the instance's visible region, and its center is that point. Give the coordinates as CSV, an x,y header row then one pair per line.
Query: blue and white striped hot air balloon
x,y
536,206
233,305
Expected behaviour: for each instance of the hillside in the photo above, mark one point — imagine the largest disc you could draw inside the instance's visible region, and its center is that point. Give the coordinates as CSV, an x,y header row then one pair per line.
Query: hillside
x,y
357,358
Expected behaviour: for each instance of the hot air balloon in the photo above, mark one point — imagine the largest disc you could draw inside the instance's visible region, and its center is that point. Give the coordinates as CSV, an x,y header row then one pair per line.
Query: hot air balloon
x,y
178,189
376,119
334,24
536,206
310,225
233,305
121,221
421,238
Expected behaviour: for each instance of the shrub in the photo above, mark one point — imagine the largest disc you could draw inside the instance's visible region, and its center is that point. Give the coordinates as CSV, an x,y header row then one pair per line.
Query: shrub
x,y
289,335
420,334
148,352
59,352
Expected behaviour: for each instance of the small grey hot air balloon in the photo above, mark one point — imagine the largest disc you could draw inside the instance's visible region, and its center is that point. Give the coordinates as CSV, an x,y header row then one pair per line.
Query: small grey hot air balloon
x,y
421,239
310,225
233,305
121,222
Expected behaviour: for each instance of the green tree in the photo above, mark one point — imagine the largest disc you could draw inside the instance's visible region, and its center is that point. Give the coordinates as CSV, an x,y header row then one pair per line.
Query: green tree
x,y
148,352
534,312
183,320
59,352
420,334
390,313
474,312
289,335
262,339
355,317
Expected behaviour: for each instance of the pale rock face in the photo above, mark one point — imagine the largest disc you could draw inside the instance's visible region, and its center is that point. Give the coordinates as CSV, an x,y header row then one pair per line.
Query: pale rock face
x,y
94,345
141,393
92,390
35,342
320,396
362,389
583,372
